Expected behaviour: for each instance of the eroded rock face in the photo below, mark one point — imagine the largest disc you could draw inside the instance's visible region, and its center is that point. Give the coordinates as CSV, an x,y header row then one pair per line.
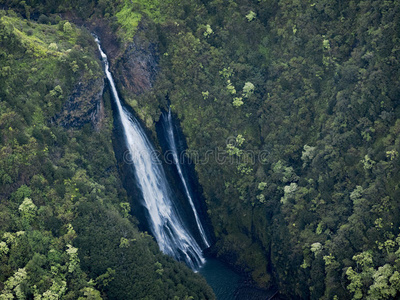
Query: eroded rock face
x,y
138,66
84,105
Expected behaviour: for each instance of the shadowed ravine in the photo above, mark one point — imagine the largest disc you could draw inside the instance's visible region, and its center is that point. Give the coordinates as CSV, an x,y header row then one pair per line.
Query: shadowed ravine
x,y
164,221
170,138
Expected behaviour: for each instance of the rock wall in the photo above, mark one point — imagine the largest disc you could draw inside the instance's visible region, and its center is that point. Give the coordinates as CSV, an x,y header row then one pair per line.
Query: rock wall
x,y
138,66
84,105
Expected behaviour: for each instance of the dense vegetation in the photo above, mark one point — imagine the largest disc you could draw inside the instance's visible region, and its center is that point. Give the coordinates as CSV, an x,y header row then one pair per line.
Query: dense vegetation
x,y
65,228
310,89
313,88
302,96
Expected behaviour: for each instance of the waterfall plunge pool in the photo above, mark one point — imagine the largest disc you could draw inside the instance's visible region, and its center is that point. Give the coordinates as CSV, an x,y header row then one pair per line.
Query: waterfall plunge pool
x,y
228,284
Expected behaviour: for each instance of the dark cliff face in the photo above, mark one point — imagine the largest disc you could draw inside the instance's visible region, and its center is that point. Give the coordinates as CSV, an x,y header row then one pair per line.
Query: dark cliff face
x,y
137,68
84,105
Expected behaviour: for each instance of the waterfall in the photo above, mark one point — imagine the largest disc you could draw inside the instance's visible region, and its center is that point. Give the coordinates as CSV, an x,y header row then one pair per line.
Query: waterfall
x,y
170,138
165,224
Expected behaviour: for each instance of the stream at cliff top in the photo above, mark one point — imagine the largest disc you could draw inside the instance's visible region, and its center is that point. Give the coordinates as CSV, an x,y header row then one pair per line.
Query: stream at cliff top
x,y
176,225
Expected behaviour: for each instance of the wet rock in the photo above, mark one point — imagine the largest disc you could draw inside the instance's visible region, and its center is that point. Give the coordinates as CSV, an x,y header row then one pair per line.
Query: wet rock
x,y
84,105
137,68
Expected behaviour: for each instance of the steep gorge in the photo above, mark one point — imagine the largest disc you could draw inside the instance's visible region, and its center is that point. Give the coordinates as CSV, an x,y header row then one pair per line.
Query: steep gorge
x,y
309,89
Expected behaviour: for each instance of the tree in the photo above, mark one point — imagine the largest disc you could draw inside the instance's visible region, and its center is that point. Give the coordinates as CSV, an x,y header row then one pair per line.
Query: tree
x,y
28,211
67,27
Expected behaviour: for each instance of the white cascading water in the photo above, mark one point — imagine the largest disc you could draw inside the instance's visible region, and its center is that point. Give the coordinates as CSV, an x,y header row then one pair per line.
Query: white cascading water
x,y
170,137
166,225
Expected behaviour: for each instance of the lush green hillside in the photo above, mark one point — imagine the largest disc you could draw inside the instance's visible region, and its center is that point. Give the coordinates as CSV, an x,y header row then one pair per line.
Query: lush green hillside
x,y
310,90
65,231
302,96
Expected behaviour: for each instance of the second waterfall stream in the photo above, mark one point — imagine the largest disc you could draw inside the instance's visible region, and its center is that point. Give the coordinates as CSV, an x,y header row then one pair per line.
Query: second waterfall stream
x,y
166,225
170,137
